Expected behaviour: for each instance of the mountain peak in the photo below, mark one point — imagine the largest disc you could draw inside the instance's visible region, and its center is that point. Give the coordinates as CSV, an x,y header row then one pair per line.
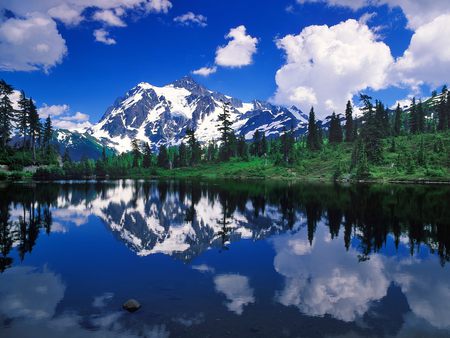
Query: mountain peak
x,y
188,83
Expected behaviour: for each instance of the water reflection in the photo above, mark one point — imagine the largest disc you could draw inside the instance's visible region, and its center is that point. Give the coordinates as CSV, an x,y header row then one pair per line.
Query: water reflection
x,y
364,260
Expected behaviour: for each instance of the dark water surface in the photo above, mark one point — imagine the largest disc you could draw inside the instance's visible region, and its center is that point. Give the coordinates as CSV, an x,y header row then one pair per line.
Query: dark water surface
x,y
224,259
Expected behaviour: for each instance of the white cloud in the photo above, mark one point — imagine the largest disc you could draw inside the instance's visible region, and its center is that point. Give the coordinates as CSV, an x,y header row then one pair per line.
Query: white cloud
x,y
323,279
353,4
205,71
190,18
62,119
53,110
417,12
103,36
66,13
237,290
109,17
427,58
325,66
239,51
30,43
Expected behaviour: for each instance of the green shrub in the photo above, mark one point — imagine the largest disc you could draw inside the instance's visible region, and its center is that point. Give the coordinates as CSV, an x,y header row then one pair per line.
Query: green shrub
x,y
15,166
3,175
49,173
16,175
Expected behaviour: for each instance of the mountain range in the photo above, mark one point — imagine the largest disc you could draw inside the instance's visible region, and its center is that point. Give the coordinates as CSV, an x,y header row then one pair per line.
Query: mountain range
x,y
161,115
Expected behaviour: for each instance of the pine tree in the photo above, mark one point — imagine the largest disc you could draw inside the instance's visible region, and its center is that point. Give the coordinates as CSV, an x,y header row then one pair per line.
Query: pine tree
x,y
397,120
335,131
136,153
264,145
163,157
22,116
442,115
371,131
147,159
242,148
312,141
413,120
34,124
194,147
349,122
225,132
420,115
48,132
104,157
6,113
256,144
66,157
448,109
182,155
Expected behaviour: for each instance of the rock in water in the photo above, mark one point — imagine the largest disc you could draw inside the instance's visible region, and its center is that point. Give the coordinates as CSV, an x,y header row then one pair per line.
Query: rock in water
x,y
131,305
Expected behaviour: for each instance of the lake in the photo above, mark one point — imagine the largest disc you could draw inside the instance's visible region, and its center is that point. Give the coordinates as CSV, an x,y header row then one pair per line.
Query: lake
x,y
224,259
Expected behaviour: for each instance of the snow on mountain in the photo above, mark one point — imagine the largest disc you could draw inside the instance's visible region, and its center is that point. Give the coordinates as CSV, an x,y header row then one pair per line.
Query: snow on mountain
x,y
160,115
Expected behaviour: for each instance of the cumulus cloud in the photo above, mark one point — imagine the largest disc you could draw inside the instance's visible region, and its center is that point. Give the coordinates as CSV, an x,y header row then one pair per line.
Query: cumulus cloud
x,y
191,19
427,58
30,43
237,290
325,66
239,51
353,4
109,17
417,12
53,110
102,36
324,279
62,119
30,40
205,71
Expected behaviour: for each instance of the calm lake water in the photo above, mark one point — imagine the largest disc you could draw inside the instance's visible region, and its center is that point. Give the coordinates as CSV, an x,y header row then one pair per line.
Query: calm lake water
x,y
224,259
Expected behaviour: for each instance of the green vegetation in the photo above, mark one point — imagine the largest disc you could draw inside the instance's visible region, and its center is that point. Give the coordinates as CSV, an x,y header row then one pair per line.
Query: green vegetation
x,y
382,145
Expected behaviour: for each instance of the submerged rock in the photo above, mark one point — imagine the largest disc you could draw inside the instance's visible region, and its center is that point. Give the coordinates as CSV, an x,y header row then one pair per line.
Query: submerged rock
x,y
131,305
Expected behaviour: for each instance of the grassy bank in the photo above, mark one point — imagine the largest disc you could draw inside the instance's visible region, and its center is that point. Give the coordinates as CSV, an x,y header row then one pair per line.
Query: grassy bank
x,y
412,158
408,158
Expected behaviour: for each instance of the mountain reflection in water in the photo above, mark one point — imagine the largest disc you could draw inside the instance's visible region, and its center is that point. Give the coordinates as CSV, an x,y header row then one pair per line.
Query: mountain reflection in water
x,y
222,258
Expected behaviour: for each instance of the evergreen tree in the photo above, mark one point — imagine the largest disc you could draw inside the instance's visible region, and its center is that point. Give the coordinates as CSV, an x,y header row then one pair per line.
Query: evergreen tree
x,y
182,155
413,120
335,131
397,120
163,157
104,157
349,122
264,145
194,147
312,141
136,153
448,109
225,132
22,116
256,144
420,115
6,114
242,148
34,124
443,116
66,157
147,159
48,132
371,131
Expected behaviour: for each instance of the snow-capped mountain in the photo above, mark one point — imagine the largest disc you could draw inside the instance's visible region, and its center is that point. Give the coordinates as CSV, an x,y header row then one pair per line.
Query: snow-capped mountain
x,y
160,115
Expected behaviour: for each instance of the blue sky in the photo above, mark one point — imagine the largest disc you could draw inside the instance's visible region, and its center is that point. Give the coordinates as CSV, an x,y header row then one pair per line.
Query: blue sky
x,y
86,75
